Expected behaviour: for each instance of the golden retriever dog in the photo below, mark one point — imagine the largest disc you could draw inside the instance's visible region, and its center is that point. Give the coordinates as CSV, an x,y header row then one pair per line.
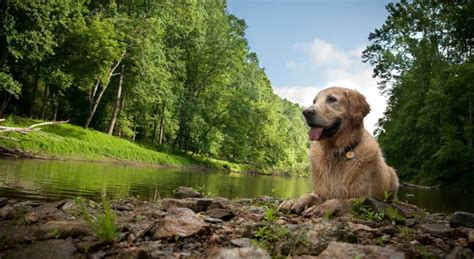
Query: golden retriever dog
x,y
346,160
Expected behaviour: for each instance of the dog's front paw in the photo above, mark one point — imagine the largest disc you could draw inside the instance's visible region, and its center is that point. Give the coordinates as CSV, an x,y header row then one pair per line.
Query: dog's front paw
x,y
328,208
297,206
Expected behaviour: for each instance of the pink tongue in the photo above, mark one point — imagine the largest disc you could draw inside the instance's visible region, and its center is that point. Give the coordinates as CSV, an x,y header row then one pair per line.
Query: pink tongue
x,y
315,133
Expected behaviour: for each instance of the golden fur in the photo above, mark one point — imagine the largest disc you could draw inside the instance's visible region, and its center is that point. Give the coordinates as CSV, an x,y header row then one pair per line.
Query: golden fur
x,y
365,175
333,174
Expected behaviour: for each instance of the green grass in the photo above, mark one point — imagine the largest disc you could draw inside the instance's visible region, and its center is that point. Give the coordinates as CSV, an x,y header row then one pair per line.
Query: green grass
x,y
103,223
66,141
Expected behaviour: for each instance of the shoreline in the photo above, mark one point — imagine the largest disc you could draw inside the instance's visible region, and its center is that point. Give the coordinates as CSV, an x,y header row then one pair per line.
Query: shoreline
x,y
190,225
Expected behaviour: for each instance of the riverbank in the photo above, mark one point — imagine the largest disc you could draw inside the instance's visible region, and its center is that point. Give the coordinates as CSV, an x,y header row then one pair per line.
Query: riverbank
x,y
192,226
69,142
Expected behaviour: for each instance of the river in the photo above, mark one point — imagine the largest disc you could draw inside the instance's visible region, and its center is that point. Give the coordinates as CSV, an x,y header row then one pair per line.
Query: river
x,y
54,180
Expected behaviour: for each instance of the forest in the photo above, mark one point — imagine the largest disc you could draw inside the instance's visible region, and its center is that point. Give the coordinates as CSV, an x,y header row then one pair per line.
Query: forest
x,y
173,75
179,76
422,56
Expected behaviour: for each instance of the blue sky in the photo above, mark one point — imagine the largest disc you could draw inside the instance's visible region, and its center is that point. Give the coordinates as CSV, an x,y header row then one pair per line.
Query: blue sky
x,y
307,45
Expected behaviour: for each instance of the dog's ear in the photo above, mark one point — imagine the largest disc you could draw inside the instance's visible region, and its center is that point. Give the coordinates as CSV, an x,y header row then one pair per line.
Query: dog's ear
x,y
358,107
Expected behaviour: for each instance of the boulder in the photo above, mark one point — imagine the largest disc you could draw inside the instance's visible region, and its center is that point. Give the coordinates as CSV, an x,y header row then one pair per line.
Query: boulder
x,y
223,214
186,192
437,230
3,202
195,204
63,229
55,248
346,250
461,218
180,222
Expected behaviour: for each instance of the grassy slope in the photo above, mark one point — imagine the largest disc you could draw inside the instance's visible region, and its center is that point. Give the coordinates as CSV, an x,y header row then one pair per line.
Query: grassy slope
x,y
66,141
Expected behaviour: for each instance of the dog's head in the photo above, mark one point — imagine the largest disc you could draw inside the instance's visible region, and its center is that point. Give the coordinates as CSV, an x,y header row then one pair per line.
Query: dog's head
x,y
335,109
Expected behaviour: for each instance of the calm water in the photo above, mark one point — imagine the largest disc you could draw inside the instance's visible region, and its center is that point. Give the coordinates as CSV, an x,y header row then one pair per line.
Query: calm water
x,y
53,180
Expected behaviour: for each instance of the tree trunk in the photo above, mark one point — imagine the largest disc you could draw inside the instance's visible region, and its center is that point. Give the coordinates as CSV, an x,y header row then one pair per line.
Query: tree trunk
x,y
95,97
4,104
33,94
56,106
162,123
43,106
116,108
155,123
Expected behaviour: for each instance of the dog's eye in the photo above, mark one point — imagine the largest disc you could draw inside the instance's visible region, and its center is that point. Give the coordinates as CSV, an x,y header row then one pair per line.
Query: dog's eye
x,y
331,99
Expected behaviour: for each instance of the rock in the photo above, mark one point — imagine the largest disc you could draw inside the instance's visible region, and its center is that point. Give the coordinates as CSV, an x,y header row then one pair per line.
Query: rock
x,y
346,250
90,246
55,248
248,252
31,217
223,214
6,212
410,223
70,207
196,204
130,253
3,202
63,229
12,235
386,230
241,242
407,210
460,253
437,230
181,222
374,204
186,192
461,218
359,227
212,220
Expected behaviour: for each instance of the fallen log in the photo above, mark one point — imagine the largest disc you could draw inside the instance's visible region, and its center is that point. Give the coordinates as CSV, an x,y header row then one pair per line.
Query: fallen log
x,y
34,127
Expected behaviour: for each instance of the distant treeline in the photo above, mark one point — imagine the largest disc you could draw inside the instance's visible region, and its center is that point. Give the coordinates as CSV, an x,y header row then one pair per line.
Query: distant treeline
x,y
423,56
171,74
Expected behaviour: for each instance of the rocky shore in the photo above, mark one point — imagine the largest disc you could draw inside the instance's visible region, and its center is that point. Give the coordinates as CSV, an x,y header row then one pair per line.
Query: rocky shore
x,y
194,226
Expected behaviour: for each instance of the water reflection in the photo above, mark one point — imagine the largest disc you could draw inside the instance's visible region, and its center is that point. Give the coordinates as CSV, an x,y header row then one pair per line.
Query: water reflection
x,y
53,180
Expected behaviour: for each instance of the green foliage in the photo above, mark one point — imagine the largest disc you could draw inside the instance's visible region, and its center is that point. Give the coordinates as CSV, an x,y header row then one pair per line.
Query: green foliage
x,y
187,79
392,214
103,223
422,56
365,212
269,232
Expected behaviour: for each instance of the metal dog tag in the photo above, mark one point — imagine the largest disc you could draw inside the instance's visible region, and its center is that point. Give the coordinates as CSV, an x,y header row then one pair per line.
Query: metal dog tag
x,y
350,155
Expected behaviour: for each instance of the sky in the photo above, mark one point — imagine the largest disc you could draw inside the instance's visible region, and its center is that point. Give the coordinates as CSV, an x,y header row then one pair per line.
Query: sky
x,y
308,45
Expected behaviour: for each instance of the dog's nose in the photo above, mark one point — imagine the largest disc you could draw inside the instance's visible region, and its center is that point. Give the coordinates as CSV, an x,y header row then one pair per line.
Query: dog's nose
x,y
308,112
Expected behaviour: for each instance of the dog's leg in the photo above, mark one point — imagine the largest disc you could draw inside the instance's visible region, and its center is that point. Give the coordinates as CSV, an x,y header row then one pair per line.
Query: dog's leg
x,y
329,208
300,204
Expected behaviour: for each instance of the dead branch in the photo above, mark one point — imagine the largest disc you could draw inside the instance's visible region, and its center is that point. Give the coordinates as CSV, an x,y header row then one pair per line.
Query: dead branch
x,y
31,128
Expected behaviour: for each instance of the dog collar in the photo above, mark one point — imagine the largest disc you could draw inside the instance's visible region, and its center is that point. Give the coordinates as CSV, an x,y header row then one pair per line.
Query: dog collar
x,y
347,152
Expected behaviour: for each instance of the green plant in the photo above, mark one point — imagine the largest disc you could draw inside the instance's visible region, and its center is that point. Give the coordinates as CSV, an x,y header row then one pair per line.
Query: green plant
x,y
56,233
269,232
365,212
393,214
405,232
102,224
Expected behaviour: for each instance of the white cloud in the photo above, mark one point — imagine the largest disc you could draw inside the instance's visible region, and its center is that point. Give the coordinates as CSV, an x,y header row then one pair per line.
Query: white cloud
x,y
339,68
295,66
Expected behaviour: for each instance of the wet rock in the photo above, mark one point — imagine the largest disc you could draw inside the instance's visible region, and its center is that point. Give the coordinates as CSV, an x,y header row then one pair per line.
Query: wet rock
x,y
248,252
181,222
212,220
410,222
63,229
437,230
359,227
70,207
3,202
15,234
195,204
223,214
461,218
241,242
345,250
460,253
45,249
186,192
407,210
